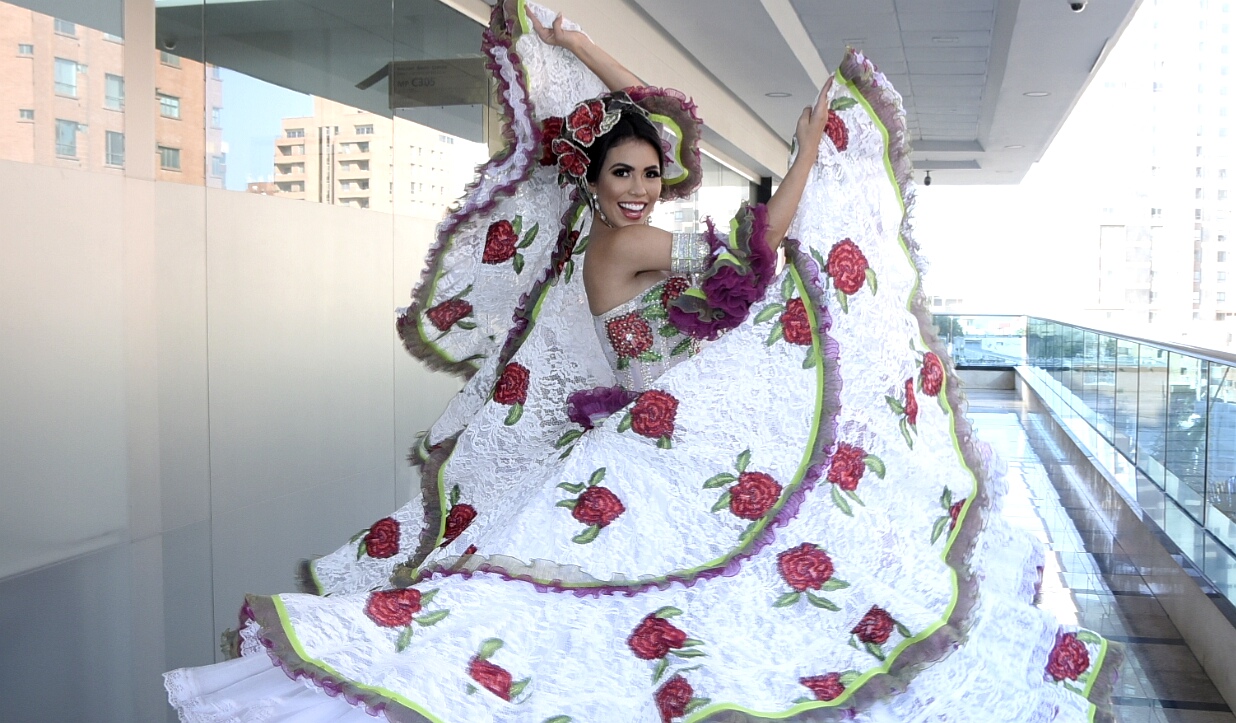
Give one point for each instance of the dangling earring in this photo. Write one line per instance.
(596, 209)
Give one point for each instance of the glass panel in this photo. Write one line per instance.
(1152, 413)
(1221, 455)
(1105, 388)
(1185, 437)
(1125, 425)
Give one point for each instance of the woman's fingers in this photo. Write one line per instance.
(821, 103)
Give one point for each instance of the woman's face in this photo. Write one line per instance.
(629, 183)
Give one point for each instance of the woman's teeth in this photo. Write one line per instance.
(632, 210)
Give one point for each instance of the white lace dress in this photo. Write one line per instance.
(793, 523)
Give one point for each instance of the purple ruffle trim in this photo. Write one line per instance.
(588, 407)
(730, 289)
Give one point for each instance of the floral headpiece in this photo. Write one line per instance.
(564, 139)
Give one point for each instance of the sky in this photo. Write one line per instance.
(252, 110)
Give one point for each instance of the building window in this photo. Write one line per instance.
(115, 148)
(168, 59)
(216, 117)
(1222, 256)
(169, 106)
(296, 133)
(115, 92)
(26, 114)
(1222, 173)
(64, 27)
(1222, 194)
(215, 72)
(1199, 172)
(218, 165)
(1197, 193)
(1222, 238)
(1220, 296)
(113, 38)
(66, 77)
(1197, 214)
(169, 158)
(25, 49)
(1222, 276)
(365, 130)
(66, 138)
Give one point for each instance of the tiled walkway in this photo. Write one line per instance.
(1090, 581)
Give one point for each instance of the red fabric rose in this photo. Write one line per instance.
(382, 540)
(824, 687)
(673, 697)
(571, 160)
(932, 374)
(551, 128)
(847, 266)
(653, 414)
(911, 403)
(674, 286)
(393, 608)
(584, 122)
(512, 387)
(491, 677)
(754, 495)
(795, 323)
(1069, 659)
(500, 242)
(805, 567)
(444, 315)
(629, 334)
(597, 506)
(568, 248)
(847, 467)
(953, 511)
(654, 637)
(457, 521)
(875, 627)
(835, 128)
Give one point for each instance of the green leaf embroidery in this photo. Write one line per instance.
(517, 411)
(572, 487)
(467, 290)
(719, 480)
(518, 263)
(905, 632)
(567, 438)
(558, 719)
(517, 225)
(688, 653)
(597, 475)
(567, 453)
(821, 602)
(894, 405)
(530, 236)
(848, 677)
(569, 504)
(465, 325)
(587, 535)
(722, 503)
(432, 618)
(682, 347)
(471, 689)
(905, 432)
(665, 443)
(875, 464)
(874, 650)
(769, 312)
(1089, 638)
(777, 334)
(650, 356)
(488, 648)
(667, 331)
(853, 494)
(358, 535)
(569, 270)
(744, 459)
(361, 550)
(819, 259)
(834, 584)
(840, 502)
(842, 103)
(787, 599)
(624, 362)
(946, 498)
(454, 495)
(787, 288)
(691, 642)
(625, 424)
(654, 313)
(810, 361)
(843, 300)
(652, 294)
(657, 672)
(404, 638)
(939, 528)
(871, 281)
(519, 686)
(427, 596)
(695, 704)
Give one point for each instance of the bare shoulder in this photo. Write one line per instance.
(632, 241)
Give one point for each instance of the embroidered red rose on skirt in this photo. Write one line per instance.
(653, 414)
(584, 123)
(931, 377)
(457, 521)
(795, 323)
(847, 466)
(754, 495)
(805, 567)
(654, 637)
(512, 387)
(597, 506)
(567, 249)
(911, 403)
(1069, 659)
(444, 315)
(491, 677)
(836, 131)
(673, 288)
(847, 266)
(393, 608)
(551, 128)
(629, 334)
(875, 627)
(500, 241)
(673, 697)
(571, 160)
(824, 687)
(382, 540)
(953, 511)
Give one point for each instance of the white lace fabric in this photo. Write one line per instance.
(751, 403)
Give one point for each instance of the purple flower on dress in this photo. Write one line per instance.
(589, 406)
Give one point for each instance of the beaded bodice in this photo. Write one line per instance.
(638, 338)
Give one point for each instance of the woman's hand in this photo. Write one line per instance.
(810, 130)
(557, 35)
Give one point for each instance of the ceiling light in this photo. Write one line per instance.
(1014, 147)
(778, 94)
(853, 42)
(945, 39)
(1037, 94)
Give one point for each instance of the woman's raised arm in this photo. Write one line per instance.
(610, 71)
(784, 203)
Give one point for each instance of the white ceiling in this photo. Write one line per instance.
(962, 66)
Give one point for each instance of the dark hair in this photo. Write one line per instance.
(630, 125)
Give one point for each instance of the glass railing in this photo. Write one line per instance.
(1161, 416)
